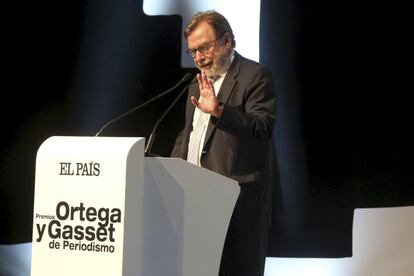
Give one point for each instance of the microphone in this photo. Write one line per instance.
(152, 135)
(187, 77)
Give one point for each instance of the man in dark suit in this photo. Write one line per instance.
(230, 115)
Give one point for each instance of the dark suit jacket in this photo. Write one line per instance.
(239, 144)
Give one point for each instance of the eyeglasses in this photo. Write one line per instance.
(203, 49)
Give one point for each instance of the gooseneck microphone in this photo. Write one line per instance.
(187, 77)
(152, 135)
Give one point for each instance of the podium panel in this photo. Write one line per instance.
(101, 208)
(84, 219)
(187, 210)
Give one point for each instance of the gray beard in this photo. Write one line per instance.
(221, 67)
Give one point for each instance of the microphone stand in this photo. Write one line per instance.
(152, 135)
(186, 77)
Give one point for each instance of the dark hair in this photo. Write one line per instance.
(216, 20)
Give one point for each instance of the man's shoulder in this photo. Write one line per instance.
(249, 66)
(247, 61)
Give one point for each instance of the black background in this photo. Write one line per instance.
(342, 73)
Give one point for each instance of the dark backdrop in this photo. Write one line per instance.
(343, 131)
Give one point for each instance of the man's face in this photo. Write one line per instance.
(211, 54)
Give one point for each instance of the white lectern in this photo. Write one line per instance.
(102, 208)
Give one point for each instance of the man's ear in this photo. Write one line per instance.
(227, 40)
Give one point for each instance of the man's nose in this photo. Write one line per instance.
(198, 57)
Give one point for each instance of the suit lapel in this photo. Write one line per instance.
(226, 90)
(193, 91)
